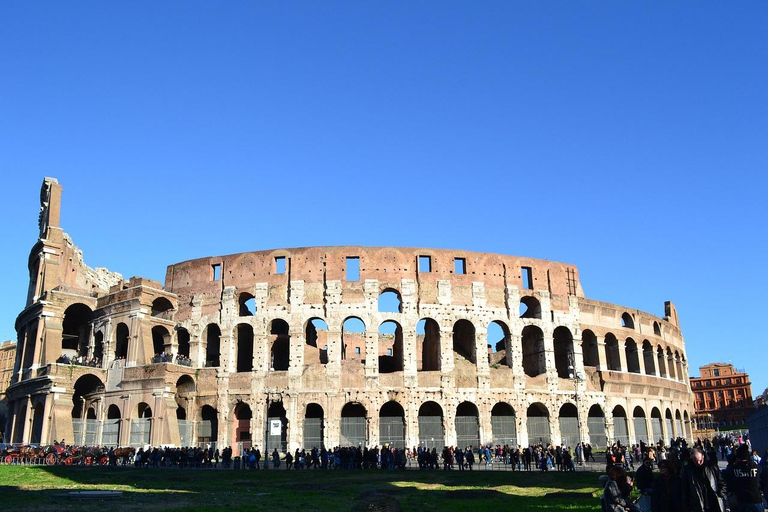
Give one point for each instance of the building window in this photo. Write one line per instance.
(216, 271)
(389, 351)
(460, 265)
(717, 372)
(425, 264)
(280, 265)
(357, 350)
(527, 276)
(353, 268)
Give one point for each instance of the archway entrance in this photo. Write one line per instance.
(392, 425)
(353, 425)
(431, 433)
(314, 427)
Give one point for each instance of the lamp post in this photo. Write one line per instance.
(576, 378)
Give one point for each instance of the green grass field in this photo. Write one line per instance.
(35, 488)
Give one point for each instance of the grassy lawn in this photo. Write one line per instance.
(27, 488)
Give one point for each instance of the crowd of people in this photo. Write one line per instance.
(689, 478)
(93, 362)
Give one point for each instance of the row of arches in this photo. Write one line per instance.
(654, 360)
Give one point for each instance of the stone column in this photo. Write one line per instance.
(601, 354)
(623, 355)
(296, 362)
(446, 351)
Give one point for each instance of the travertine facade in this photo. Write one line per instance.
(338, 345)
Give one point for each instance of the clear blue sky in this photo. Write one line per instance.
(628, 138)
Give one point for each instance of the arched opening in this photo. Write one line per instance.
(162, 307)
(612, 352)
(660, 360)
(467, 425)
(353, 425)
(534, 359)
(121, 341)
(98, 346)
(620, 426)
(392, 425)
(569, 425)
(244, 335)
(208, 429)
(76, 330)
(428, 337)
(671, 365)
(497, 341)
(181, 415)
(504, 425)
(464, 341)
(596, 427)
(431, 434)
(530, 307)
(185, 387)
(538, 424)
(37, 424)
(627, 321)
(641, 425)
(185, 396)
(679, 367)
(278, 422)
(589, 349)
(687, 422)
(161, 341)
(316, 336)
(88, 389)
(668, 424)
(242, 423)
(648, 359)
(314, 426)
(390, 347)
(212, 345)
(563, 343)
(390, 302)
(656, 432)
(656, 329)
(141, 425)
(353, 339)
(246, 304)
(144, 410)
(280, 354)
(633, 358)
(182, 335)
(110, 431)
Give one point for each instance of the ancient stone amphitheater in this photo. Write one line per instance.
(337, 346)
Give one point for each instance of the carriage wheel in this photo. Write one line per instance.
(68, 461)
(50, 459)
(8, 459)
(104, 460)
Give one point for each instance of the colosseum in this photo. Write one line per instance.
(334, 346)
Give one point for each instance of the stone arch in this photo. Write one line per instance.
(390, 301)
(678, 424)
(431, 429)
(631, 353)
(392, 425)
(563, 343)
(538, 424)
(428, 336)
(669, 423)
(497, 336)
(182, 337)
(244, 348)
(504, 424)
(467, 425)
(530, 307)
(534, 357)
(354, 425)
(161, 340)
(589, 348)
(75, 330)
(390, 347)
(353, 335)
(280, 346)
(596, 426)
(612, 352)
(276, 415)
(620, 425)
(38, 415)
(212, 335)
(208, 428)
(87, 389)
(662, 367)
(121, 341)
(143, 410)
(656, 432)
(246, 304)
(687, 421)
(464, 340)
(656, 329)
(98, 345)
(678, 367)
(569, 425)
(640, 424)
(314, 426)
(627, 321)
(316, 341)
(161, 307)
(242, 416)
(648, 358)
(671, 364)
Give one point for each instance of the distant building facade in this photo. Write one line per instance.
(723, 394)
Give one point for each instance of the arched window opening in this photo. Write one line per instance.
(504, 425)
(182, 335)
(497, 341)
(660, 360)
(242, 423)
(678, 367)
(246, 304)
(671, 365)
(316, 337)
(392, 425)
(162, 308)
(620, 426)
(563, 342)
(656, 431)
(144, 410)
(181, 414)
(353, 425)
(530, 307)
(277, 421)
(76, 330)
(390, 302)
(538, 424)
(589, 350)
(98, 346)
(612, 352)
(37, 423)
(390, 347)
(87, 390)
(467, 425)
(121, 341)
(596, 427)
(428, 338)
(212, 345)
(534, 358)
(244, 334)
(110, 431)
(631, 353)
(314, 427)
(627, 321)
(569, 425)
(668, 424)
(648, 358)
(281, 345)
(641, 426)
(353, 338)
(464, 341)
(208, 429)
(656, 329)
(431, 432)
(161, 343)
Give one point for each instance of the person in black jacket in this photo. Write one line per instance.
(644, 477)
(667, 495)
(703, 486)
(744, 480)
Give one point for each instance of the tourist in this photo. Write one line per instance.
(703, 486)
(667, 492)
(617, 491)
(744, 481)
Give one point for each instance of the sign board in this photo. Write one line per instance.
(275, 427)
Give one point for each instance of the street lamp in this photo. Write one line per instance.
(576, 378)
